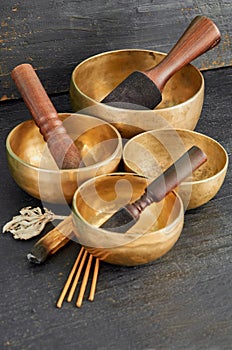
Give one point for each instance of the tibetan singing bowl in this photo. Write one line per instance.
(35, 171)
(152, 152)
(155, 233)
(95, 77)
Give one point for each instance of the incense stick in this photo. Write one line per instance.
(76, 271)
(74, 285)
(84, 282)
(94, 281)
(69, 280)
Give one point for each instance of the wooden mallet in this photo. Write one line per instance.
(127, 216)
(46, 117)
(145, 88)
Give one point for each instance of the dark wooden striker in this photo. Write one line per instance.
(45, 116)
(127, 216)
(145, 88)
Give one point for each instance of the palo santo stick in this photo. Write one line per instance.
(94, 281)
(52, 241)
(69, 279)
(71, 293)
(84, 282)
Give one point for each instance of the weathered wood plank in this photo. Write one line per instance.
(57, 35)
(181, 301)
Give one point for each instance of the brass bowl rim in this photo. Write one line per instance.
(54, 171)
(190, 132)
(76, 212)
(122, 109)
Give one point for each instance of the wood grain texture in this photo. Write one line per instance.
(56, 35)
(181, 301)
(200, 36)
(60, 144)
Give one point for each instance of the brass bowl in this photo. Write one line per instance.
(157, 230)
(95, 77)
(34, 170)
(151, 152)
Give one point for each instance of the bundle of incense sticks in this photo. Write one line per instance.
(74, 276)
(50, 244)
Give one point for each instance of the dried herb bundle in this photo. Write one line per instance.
(30, 222)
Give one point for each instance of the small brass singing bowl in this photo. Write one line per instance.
(155, 233)
(152, 152)
(97, 76)
(35, 171)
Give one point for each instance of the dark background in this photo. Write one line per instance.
(55, 35)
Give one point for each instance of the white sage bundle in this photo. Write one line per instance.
(30, 222)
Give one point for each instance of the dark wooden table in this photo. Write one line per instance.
(181, 301)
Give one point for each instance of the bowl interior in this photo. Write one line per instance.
(97, 199)
(100, 74)
(153, 152)
(34, 170)
(96, 140)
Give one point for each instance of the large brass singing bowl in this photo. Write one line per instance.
(95, 77)
(157, 230)
(34, 170)
(152, 152)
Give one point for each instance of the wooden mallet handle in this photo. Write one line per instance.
(127, 216)
(201, 35)
(169, 180)
(45, 116)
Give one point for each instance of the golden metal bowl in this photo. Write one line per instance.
(151, 152)
(95, 77)
(34, 170)
(157, 230)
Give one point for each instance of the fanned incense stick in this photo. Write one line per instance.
(76, 271)
(76, 279)
(94, 281)
(84, 282)
(69, 279)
